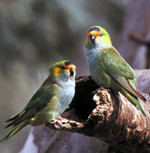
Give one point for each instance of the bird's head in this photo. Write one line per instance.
(63, 72)
(98, 38)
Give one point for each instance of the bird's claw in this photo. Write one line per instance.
(58, 124)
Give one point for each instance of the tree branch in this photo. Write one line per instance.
(106, 115)
(139, 38)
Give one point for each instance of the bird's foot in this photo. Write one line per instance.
(58, 124)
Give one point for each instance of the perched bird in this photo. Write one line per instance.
(108, 68)
(51, 100)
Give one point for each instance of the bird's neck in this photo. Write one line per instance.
(63, 81)
(102, 43)
(97, 48)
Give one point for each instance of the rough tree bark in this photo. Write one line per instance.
(106, 115)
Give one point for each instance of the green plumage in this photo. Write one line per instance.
(49, 101)
(109, 69)
(122, 77)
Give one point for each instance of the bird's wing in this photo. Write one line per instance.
(40, 100)
(120, 70)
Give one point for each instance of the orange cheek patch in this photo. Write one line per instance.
(96, 33)
(57, 71)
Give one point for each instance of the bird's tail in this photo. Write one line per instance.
(13, 131)
(134, 100)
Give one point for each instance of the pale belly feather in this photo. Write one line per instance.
(57, 105)
(97, 72)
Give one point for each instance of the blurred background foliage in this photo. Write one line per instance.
(34, 34)
(34, 31)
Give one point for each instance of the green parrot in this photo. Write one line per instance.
(108, 68)
(51, 100)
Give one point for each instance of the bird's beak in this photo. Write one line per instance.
(72, 69)
(92, 38)
(92, 35)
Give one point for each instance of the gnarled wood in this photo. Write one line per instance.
(108, 116)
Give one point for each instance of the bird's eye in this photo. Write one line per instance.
(71, 72)
(101, 34)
